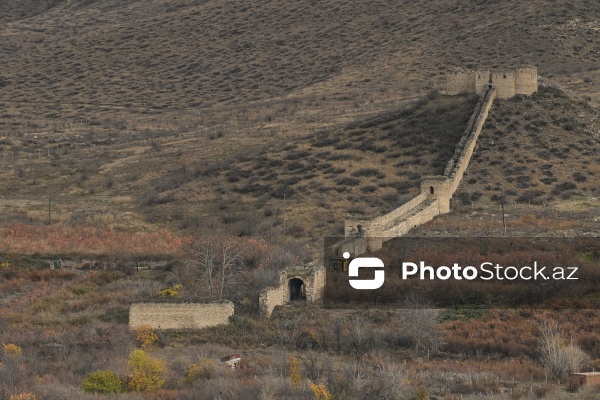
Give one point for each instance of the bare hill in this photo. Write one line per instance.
(64, 60)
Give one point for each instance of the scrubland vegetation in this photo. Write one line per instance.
(183, 150)
(65, 335)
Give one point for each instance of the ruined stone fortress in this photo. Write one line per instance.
(301, 283)
(305, 282)
(507, 83)
(437, 191)
(308, 282)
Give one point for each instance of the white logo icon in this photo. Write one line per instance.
(365, 262)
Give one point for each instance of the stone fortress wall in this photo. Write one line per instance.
(508, 83)
(437, 191)
(179, 315)
(459, 162)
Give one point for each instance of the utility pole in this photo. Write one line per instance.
(49, 207)
(284, 196)
(502, 207)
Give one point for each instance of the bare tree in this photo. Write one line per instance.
(420, 323)
(230, 264)
(212, 266)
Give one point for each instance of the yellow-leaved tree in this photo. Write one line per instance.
(294, 365)
(145, 372)
(145, 336)
(320, 391)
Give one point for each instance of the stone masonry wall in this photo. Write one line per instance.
(526, 80)
(179, 315)
(377, 224)
(504, 82)
(482, 81)
(436, 191)
(460, 81)
(428, 213)
(313, 278)
(315, 291)
(353, 245)
(458, 164)
(271, 297)
(523, 80)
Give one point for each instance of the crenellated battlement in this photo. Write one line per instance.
(508, 83)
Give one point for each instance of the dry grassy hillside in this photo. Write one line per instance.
(131, 113)
(364, 167)
(540, 157)
(111, 61)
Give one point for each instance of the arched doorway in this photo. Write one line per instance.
(431, 190)
(297, 289)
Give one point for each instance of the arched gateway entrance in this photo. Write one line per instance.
(297, 289)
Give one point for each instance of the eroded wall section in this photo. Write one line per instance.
(179, 315)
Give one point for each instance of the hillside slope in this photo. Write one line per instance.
(63, 60)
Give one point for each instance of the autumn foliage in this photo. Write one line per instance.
(27, 239)
(145, 372)
(145, 336)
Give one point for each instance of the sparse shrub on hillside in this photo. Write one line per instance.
(421, 324)
(296, 230)
(24, 396)
(421, 393)
(145, 372)
(531, 196)
(369, 172)
(320, 391)
(282, 190)
(173, 291)
(145, 336)
(347, 181)
(103, 381)
(579, 177)
(202, 370)
(562, 187)
(11, 349)
(559, 354)
(368, 189)
(294, 368)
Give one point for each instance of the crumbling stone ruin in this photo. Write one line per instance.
(179, 315)
(300, 283)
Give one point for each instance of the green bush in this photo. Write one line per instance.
(103, 381)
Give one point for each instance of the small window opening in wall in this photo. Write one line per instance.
(504, 76)
(297, 289)
(431, 190)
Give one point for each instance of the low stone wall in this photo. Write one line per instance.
(352, 245)
(315, 290)
(426, 214)
(377, 224)
(179, 315)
